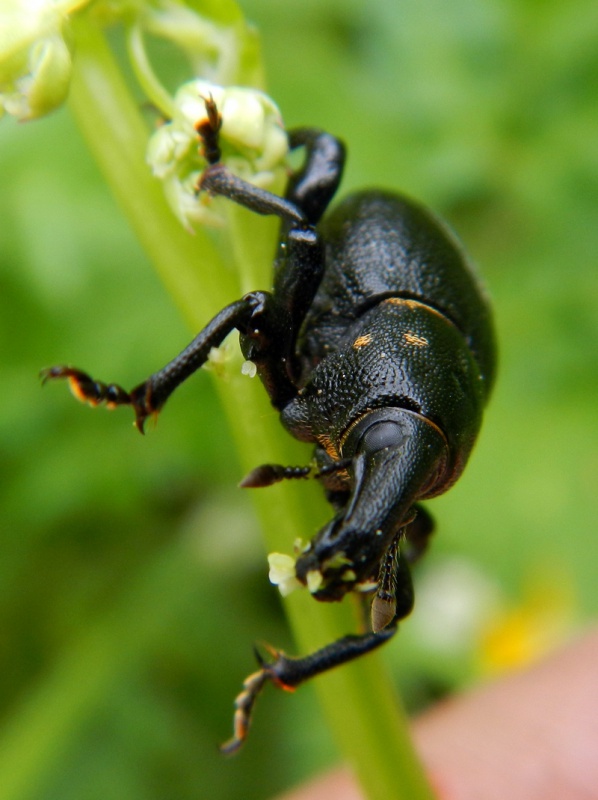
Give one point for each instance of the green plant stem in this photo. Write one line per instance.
(50, 718)
(145, 75)
(360, 704)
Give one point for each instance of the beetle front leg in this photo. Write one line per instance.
(288, 673)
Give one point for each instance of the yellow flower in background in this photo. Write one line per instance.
(464, 625)
(516, 636)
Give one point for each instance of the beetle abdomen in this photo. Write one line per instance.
(379, 245)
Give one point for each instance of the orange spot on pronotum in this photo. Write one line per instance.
(362, 341)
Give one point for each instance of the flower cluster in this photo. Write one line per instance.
(252, 140)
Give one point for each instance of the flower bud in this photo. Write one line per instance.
(252, 142)
(282, 573)
(35, 58)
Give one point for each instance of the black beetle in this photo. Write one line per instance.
(376, 344)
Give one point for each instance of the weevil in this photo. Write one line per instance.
(376, 345)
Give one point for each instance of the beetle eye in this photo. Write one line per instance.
(381, 435)
(377, 430)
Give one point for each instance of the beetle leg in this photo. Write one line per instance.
(300, 262)
(148, 397)
(296, 280)
(297, 276)
(208, 130)
(309, 191)
(312, 187)
(271, 335)
(219, 180)
(86, 389)
(89, 390)
(287, 673)
(268, 327)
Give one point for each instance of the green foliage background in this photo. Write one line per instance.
(132, 577)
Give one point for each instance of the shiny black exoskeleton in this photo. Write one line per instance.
(376, 344)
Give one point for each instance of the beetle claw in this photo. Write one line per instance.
(87, 390)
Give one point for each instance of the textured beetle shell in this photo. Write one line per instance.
(380, 244)
(405, 323)
(414, 358)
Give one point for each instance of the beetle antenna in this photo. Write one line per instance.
(268, 474)
(335, 466)
(384, 604)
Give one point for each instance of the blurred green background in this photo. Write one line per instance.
(132, 577)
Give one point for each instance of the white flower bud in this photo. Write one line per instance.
(252, 141)
(282, 573)
(35, 58)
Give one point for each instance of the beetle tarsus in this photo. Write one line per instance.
(88, 390)
(288, 673)
(244, 703)
(208, 130)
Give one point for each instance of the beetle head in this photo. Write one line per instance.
(396, 457)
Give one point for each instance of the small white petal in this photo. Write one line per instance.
(314, 580)
(282, 573)
(248, 368)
